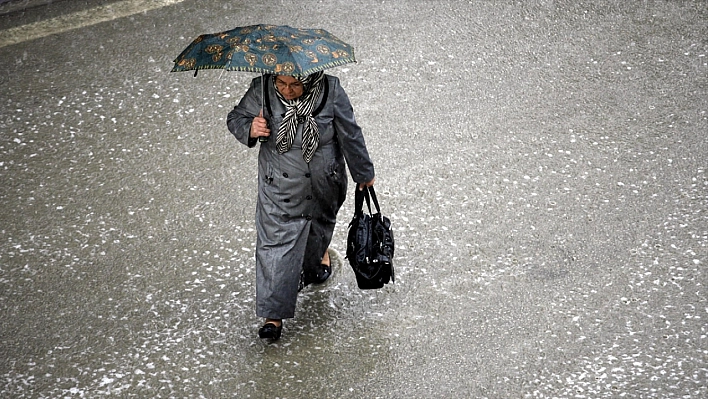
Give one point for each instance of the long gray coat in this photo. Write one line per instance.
(298, 202)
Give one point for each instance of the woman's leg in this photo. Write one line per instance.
(318, 241)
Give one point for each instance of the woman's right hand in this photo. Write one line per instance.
(259, 127)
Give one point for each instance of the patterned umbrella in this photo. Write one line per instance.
(272, 49)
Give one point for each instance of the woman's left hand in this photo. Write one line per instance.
(367, 184)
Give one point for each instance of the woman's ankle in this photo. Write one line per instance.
(275, 322)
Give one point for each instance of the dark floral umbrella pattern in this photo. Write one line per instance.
(268, 49)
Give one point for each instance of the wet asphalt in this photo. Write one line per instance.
(543, 164)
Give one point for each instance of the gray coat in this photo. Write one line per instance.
(298, 202)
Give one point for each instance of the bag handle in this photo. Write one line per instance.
(359, 196)
(373, 198)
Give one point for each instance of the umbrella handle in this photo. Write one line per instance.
(263, 139)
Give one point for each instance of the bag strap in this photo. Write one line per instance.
(325, 94)
(373, 198)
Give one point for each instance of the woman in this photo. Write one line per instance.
(302, 181)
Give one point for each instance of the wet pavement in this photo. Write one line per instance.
(543, 164)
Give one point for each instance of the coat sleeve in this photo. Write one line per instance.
(240, 118)
(350, 136)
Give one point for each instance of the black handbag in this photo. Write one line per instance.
(370, 243)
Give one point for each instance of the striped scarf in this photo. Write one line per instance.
(299, 111)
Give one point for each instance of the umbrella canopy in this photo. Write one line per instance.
(281, 50)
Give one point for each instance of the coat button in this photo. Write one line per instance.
(285, 175)
(307, 175)
(286, 200)
(309, 197)
(308, 217)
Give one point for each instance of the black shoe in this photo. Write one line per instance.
(323, 275)
(270, 331)
(308, 277)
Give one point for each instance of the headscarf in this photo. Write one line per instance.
(299, 111)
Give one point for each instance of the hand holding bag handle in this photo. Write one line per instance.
(369, 194)
(359, 201)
